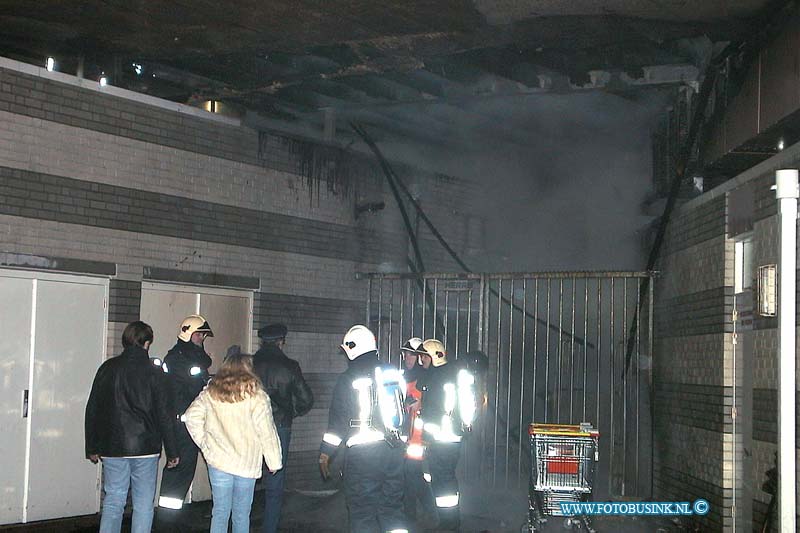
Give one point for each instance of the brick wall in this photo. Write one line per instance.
(698, 452)
(125, 299)
(138, 189)
(692, 378)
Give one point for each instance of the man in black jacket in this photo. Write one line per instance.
(127, 418)
(186, 366)
(290, 396)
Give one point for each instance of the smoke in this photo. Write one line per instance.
(564, 176)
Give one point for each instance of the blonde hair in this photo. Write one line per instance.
(235, 381)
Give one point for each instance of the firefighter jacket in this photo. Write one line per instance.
(448, 407)
(415, 449)
(367, 405)
(186, 365)
(283, 380)
(127, 413)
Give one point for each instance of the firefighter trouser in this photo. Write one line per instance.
(442, 463)
(175, 482)
(416, 489)
(373, 487)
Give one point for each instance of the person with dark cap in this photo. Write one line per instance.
(186, 366)
(290, 396)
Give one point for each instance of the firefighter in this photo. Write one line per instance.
(416, 488)
(186, 366)
(366, 417)
(447, 414)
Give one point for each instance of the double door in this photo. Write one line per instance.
(52, 339)
(229, 312)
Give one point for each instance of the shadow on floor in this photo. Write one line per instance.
(483, 511)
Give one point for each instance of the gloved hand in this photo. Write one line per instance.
(325, 466)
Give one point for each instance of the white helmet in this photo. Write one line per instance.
(413, 346)
(357, 341)
(435, 349)
(191, 324)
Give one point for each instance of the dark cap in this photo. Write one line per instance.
(273, 332)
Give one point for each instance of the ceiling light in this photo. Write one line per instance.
(781, 145)
(137, 68)
(50, 64)
(103, 80)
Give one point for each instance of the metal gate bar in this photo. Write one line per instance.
(556, 343)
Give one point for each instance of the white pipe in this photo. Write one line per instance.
(787, 193)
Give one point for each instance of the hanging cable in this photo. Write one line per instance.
(395, 182)
(419, 266)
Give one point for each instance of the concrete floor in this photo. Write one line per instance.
(324, 512)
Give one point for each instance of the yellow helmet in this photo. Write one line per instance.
(435, 349)
(191, 324)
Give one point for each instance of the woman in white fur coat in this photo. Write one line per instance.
(231, 422)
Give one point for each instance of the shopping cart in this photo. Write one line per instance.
(563, 459)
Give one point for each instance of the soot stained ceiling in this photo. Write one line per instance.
(286, 61)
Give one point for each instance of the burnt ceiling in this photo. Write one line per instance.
(286, 61)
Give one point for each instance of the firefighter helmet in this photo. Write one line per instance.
(357, 341)
(477, 362)
(413, 346)
(435, 349)
(192, 324)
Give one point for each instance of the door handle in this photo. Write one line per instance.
(25, 403)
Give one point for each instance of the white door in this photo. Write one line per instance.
(164, 310)
(69, 344)
(53, 339)
(228, 312)
(16, 303)
(229, 316)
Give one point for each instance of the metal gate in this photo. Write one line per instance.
(563, 347)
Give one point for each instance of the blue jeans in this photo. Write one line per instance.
(140, 475)
(273, 484)
(233, 498)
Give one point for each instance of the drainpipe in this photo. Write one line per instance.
(787, 194)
